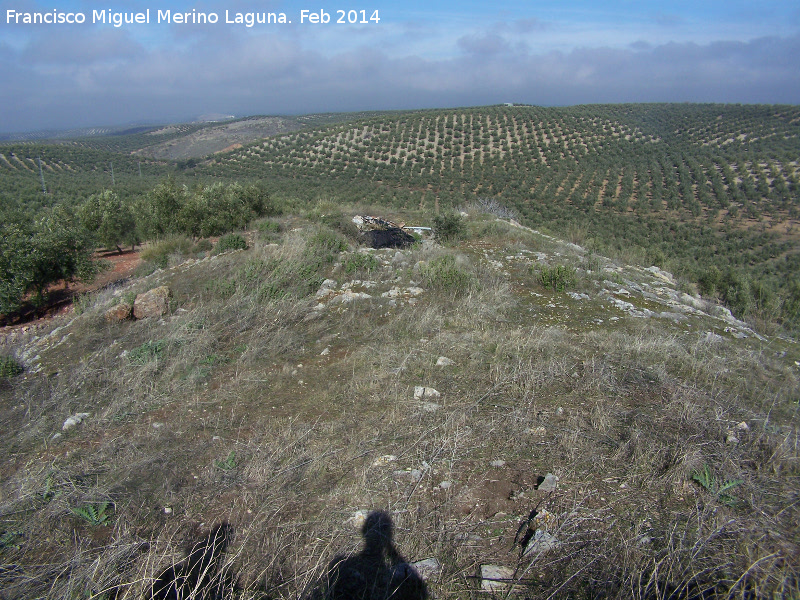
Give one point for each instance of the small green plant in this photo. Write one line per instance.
(709, 482)
(147, 352)
(268, 226)
(229, 463)
(360, 261)
(558, 278)
(230, 241)
(48, 493)
(11, 539)
(94, 514)
(9, 367)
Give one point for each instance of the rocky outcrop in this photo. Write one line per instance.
(119, 312)
(154, 303)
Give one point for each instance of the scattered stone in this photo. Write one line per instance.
(578, 296)
(120, 312)
(743, 426)
(428, 569)
(495, 578)
(154, 303)
(416, 475)
(167, 510)
(497, 464)
(446, 485)
(443, 361)
(358, 518)
(74, 420)
(549, 484)
(560, 411)
(542, 542)
(325, 352)
(430, 407)
(157, 425)
(384, 460)
(425, 392)
(731, 438)
(538, 431)
(349, 296)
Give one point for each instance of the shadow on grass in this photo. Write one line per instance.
(378, 572)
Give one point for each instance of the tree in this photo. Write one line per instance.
(109, 220)
(33, 257)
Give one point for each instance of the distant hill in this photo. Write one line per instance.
(700, 186)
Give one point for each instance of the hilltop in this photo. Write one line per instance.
(458, 385)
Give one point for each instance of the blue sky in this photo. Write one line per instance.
(420, 55)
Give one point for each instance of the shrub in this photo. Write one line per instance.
(231, 241)
(9, 367)
(448, 227)
(558, 278)
(268, 226)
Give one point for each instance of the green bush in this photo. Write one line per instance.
(203, 245)
(558, 278)
(360, 261)
(448, 227)
(230, 241)
(268, 226)
(9, 367)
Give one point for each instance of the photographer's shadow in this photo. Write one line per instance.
(378, 572)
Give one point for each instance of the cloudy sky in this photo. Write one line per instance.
(419, 54)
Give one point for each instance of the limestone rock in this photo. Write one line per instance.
(494, 578)
(154, 303)
(120, 312)
(74, 420)
(425, 392)
(549, 484)
(541, 542)
(428, 569)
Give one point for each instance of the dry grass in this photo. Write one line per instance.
(228, 410)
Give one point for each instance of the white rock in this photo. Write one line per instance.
(743, 426)
(538, 431)
(446, 485)
(384, 460)
(358, 518)
(541, 542)
(74, 420)
(428, 569)
(549, 484)
(498, 463)
(325, 352)
(425, 392)
(492, 577)
(443, 361)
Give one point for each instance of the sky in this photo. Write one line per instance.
(411, 54)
